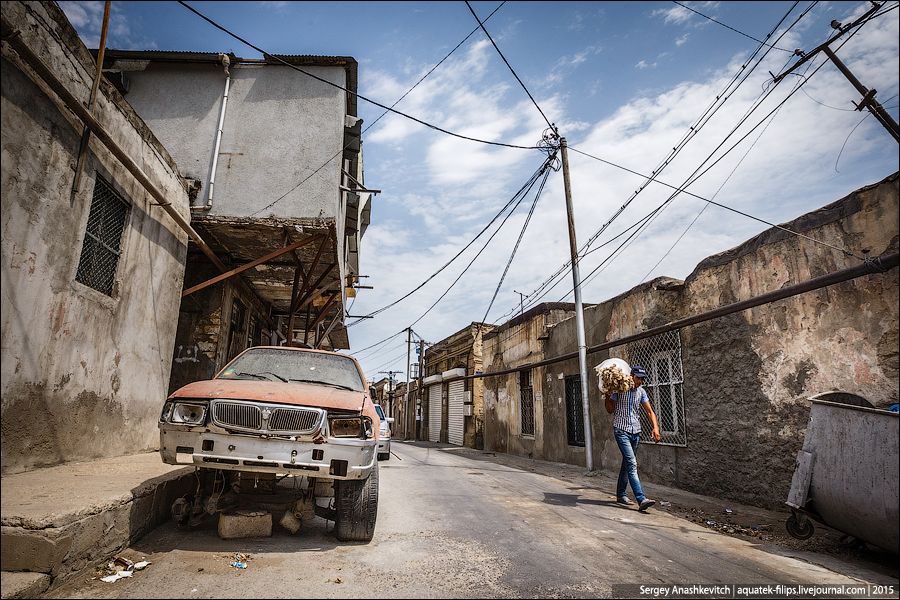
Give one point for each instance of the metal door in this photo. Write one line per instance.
(455, 417)
(434, 413)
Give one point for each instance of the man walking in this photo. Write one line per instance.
(627, 429)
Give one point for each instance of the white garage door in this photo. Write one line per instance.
(455, 417)
(434, 413)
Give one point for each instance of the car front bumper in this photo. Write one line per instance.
(334, 458)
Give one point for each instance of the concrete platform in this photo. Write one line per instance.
(58, 521)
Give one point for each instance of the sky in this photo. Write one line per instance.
(683, 90)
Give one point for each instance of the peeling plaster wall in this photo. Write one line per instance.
(514, 344)
(83, 374)
(748, 376)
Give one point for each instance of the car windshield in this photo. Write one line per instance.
(380, 412)
(281, 364)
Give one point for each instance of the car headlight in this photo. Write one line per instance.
(166, 411)
(188, 414)
(348, 427)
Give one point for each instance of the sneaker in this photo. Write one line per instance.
(646, 503)
(623, 500)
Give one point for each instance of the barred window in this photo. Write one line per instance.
(574, 411)
(526, 403)
(100, 251)
(661, 357)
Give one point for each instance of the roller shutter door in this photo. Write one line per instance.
(455, 417)
(434, 413)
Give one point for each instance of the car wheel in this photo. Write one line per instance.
(384, 456)
(356, 504)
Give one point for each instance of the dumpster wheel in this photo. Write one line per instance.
(800, 528)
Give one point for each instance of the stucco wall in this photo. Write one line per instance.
(748, 376)
(83, 374)
(280, 126)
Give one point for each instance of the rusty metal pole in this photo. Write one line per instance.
(868, 100)
(579, 312)
(86, 134)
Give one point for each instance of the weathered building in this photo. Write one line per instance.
(732, 393)
(450, 405)
(272, 149)
(513, 420)
(91, 272)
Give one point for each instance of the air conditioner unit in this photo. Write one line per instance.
(468, 410)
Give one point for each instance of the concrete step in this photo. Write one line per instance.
(59, 521)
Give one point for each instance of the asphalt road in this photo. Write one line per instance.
(456, 523)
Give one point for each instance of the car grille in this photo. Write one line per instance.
(267, 419)
(246, 416)
(293, 419)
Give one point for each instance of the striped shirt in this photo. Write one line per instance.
(626, 416)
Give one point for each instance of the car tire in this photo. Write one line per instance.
(384, 456)
(356, 503)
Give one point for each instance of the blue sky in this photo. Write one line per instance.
(623, 82)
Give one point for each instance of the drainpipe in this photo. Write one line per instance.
(226, 62)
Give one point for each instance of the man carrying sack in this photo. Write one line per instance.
(627, 427)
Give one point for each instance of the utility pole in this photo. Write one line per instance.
(868, 101)
(579, 311)
(406, 414)
(419, 390)
(521, 302)
(390, 375)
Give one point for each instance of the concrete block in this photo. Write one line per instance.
(38, 551)
(245, 524)
(23, 585)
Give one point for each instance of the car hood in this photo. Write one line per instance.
(301, 394)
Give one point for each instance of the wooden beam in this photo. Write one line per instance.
(259, 261)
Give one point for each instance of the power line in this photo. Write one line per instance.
(533, 101)
(732, 28)
(523, 190)
(692, 131)
(356, 94)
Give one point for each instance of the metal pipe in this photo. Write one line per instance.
(579, 311)
(215, 161)
(86, 135)
(880, 264)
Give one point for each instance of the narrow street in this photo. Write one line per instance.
(458, 523)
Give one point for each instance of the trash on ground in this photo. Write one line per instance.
(239, 565)
(140, 566)
(116, 577)
(124, 563)
(728, 511)
(664, 503)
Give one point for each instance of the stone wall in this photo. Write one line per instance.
(84, 374)
(748, 376)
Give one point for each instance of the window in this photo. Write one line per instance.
(526, 403)
(574, 411)
(661, 357)
(100, 251)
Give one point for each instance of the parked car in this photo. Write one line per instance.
(280, 411)
(384, 434)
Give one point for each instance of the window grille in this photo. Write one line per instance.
(526, 403)
(574, 411)
(100, 251)
(660, 355)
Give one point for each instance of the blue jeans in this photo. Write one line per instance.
(628, 443)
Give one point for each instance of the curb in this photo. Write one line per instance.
(42, 552)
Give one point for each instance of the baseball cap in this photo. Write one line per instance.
(639, 371)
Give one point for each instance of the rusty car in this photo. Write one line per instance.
(279, 426)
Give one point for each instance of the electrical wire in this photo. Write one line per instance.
(372, 124)
(533, 101)
(531, 183)
(351, 92)
(737, 80)
(731, 28)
